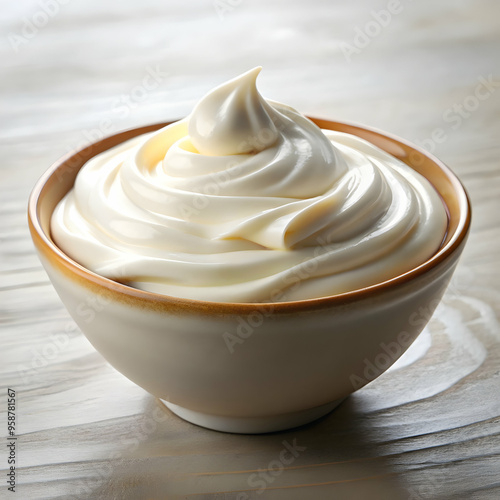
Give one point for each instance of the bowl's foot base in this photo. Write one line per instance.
(252, 425)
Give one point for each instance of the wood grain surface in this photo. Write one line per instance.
(73, 71)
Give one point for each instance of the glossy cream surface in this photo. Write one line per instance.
(246, 200)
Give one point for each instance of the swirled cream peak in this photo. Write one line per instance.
(233, 119)
(246, 200)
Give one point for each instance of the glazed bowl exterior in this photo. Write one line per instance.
(251, 367)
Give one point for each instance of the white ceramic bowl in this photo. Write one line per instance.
(251, 367)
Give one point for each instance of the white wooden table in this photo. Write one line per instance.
(73, 71)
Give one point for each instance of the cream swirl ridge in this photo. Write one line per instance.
(246, 200)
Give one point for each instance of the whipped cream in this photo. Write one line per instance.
(246, 200)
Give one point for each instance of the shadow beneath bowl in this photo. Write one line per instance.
(338, 456)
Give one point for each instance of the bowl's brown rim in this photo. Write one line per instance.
(158, 301)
